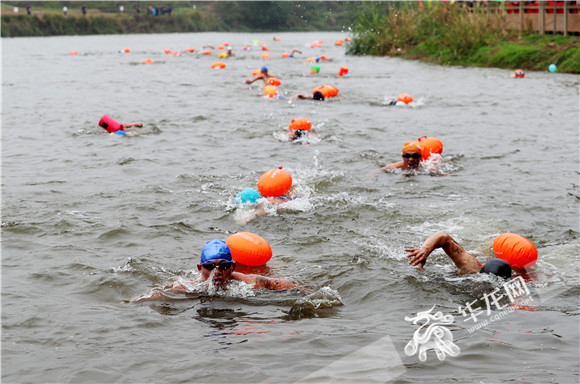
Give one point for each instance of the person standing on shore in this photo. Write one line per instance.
(84, 9)
(65, 10)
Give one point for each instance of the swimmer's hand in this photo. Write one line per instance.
(418, 256)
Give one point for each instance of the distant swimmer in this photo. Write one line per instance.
(315, 96)
(465, 263)
(217, 265)
(411, 158)
(113, 126)
(294, 51)
(263, 75)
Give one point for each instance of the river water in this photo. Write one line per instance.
(90, 219)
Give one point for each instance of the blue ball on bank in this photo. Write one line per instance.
(552, 68)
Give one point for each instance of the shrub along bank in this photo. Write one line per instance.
(453, 36)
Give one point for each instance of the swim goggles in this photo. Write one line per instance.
(414, 155)
(223, 265)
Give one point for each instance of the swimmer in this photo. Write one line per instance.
(411, 158)
(294, 51)
(465, 263)
(304, 96)
(264, 75)
(216, 257)
(229, 52)
(298, 134)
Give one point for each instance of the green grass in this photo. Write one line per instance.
(452, 36)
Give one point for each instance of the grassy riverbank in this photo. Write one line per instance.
(452, 36)
(106, 17)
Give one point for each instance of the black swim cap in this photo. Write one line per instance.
(497, 267)
(300, 133)
(318, 96)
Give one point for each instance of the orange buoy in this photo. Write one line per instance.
(126, 50)
(327, 90)
(249, 249)
(323, 57)
(265, 48)
(275, 182)
(270, 91)
(274, 81)
(519, 74)
(221, 47)
(343, 71)
(405, 98)
(147, 61)
(315, 45)
(167, 51)
(311, 59)
(518, 251)
(189, 49)
(429, 146)
(73, 53)
(265, 56)
(256, 72)
(226, 44)
(218, 65)
(339, 42)
(206, 52)
(176, 53)
(285, 55)
(300, 123)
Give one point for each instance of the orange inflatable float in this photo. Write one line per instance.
(275, 182)
(274, 81)
(405, 98)
(265, 56)
(218, 65)
(285, 55)
(206, 52)
(327, 90)
(73, 53)
(189, 49)
(167, 50)
(249, 249)
(343, 71)
(519, 74)
(256, 72)
(429, 146)
(339, 42)
(516, 250)
(147, 61)
(126, 50)
(300, 123)
(270, 91)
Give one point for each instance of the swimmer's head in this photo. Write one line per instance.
(215, 250)
(264, 69)
(318, 96)
(497, 267)
(300, 133)
(411, 154)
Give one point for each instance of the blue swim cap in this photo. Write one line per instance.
(264, 68)
(121, 132)
(497, 267)
(215, 250)
(290, 55)
(248, 195)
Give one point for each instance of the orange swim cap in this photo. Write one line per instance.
(412, 146)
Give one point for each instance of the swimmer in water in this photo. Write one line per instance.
(216, 257)
(465, 263)
(411, 158)
(294, 51)
(264, 75)
(304, 96)
(298, 134)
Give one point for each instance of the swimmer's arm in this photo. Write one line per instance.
(263, 282)
(160, 293)
(273, 284)
(390, 167)
(464, 262)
